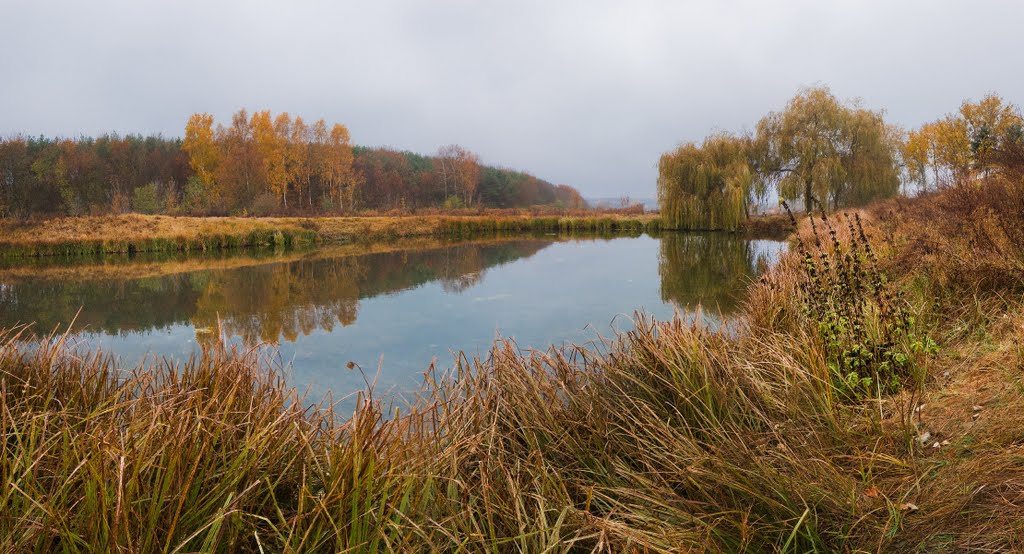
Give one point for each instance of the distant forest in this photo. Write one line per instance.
(257, 165)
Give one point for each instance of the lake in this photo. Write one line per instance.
(392, 307)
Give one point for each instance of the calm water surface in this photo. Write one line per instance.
(398, 310)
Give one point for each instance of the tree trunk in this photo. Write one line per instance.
(808, 203)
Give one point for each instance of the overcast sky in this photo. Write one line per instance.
(585, 92)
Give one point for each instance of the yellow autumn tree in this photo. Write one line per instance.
(299, 158)
(340, 173)
(990, 123)
(239, 174)
(319, 157)
(271, 150)
(199, 144)
(939, 153)
(467, 175)
(953, 148)
(460, 172)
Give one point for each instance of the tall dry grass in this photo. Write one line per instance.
(215, 454)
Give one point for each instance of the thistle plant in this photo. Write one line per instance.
(868, 333)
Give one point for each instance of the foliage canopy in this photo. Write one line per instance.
(706, 186)
(817, 149)
(954, 147)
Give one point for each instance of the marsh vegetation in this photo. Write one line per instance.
(677, 437)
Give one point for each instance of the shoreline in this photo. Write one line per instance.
(134, 233)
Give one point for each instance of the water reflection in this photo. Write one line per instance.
(262, 298)
(410, 304)
(259, 302)
(286, 300)
(711, 269)
(109, 306)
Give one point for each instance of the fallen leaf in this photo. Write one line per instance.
(872, 492)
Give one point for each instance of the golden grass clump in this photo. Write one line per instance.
(215, 454)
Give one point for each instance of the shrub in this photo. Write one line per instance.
(196, 199)
(327, 204)
(171, 203)
(453, 202)
(265, 204)
(970, 238)
(146, 199)
(120, 203)
(865, 325)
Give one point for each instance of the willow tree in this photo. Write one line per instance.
(706, 186)
(818, 149)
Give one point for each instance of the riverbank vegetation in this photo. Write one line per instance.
(259, 164)
(134, 233)
(828, 155)
(868, 398)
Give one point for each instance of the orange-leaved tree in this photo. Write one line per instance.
(199, 144)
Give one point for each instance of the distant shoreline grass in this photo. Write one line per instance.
(141, 233)
(161, 264)
(869, 399)
(134, 233)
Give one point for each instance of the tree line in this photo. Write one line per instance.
(260, 164)
(825, 154)
(963, 144)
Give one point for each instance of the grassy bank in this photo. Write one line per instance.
(869, 399)
(80, 236)
(775, 226)
(139, 233)
(145, 266)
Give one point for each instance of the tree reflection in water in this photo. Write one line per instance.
(284, 301)
(268, 299)
(265, 302)
(710, 269)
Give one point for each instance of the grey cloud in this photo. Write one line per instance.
(581, 92)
